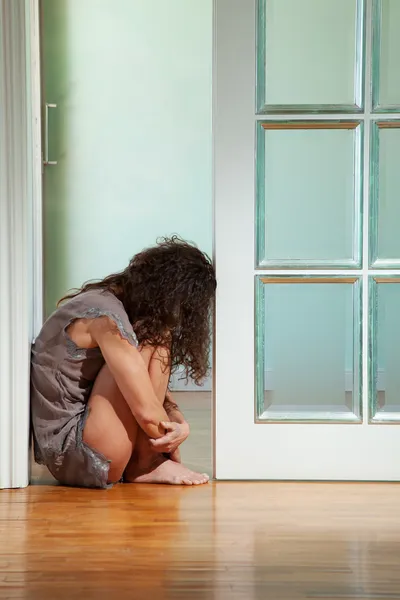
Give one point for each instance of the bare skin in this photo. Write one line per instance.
(133, 429)
(147, 465)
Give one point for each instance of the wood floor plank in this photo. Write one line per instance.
(225, 540)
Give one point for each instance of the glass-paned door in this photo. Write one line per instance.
(307, 207)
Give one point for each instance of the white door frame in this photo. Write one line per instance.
(35, 102)
(20, 228)
(233, 163)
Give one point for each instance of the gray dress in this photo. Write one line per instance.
(62, 377)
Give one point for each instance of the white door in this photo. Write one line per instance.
(307, 244)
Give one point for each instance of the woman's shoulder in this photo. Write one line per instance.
(87, 303)
(93, 300)
(98, 303)
(92, 304)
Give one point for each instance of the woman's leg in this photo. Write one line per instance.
(110, 427)
(157, 361)
(143, 456)
(146, 465)
(112, 430)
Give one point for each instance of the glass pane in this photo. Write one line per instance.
(300, 60)
(385, 213)
(386, 73)
(308, 349)
(308, 176)
(385, 351)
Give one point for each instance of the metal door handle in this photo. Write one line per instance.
(46, 135)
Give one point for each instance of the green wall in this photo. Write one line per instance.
(131, 132)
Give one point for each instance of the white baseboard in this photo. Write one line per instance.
(178, 383)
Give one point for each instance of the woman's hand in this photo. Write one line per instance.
(176, 434)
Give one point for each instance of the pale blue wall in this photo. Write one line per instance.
(131, 133)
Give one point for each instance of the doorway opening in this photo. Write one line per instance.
(127, 140)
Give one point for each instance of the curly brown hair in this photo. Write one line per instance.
(167, 292)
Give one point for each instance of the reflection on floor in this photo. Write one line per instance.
(222, 541)
(196, 451)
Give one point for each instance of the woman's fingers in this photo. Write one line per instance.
(163, 442)
(170, 440)
(168, 425)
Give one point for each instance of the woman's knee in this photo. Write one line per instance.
(117, 467)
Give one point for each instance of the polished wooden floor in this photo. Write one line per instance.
(225, 540)
(221, 541)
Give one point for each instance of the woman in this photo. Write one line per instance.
(101, 410)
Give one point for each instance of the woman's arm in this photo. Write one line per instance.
(177, 431)
(131, 375)
(172, 409)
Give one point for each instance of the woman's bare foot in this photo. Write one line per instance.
(166, 472)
